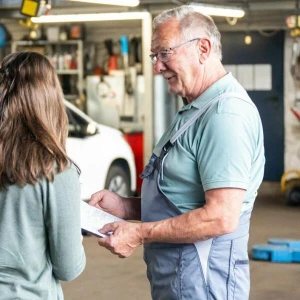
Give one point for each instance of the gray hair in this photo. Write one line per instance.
(190, 22)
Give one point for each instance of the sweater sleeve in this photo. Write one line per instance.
(62, 219)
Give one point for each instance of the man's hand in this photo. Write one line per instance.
(122, 207)
(109, 202)
(123, 240)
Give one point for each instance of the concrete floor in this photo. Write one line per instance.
(109, 277)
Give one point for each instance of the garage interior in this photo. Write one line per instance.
(109, 277)
(266, 38)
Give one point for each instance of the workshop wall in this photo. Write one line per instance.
(291, 123)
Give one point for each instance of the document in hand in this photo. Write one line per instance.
(93, 219)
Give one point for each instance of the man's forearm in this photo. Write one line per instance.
(220, 215)
(186, 228)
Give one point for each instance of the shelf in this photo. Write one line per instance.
(67, 72)
(44, 43)
(60, 54)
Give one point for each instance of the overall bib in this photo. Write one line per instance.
(217, 268)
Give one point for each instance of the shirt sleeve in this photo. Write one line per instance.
(62, 218)
(226, 153)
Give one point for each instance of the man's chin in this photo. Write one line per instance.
(174, 90)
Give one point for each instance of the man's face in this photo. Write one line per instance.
(182, 68)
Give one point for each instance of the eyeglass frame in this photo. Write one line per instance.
(155, 56)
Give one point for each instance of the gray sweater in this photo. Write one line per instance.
(40, 238)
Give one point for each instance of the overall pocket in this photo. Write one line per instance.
(239, 286)
(242, 280)
(174, 272)
(228, 269)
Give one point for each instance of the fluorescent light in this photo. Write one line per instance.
(112, 2)
(221, 11)
(91, 17)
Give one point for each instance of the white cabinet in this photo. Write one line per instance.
(67, 58)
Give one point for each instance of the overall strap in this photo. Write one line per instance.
(194, 117)
(199, 113)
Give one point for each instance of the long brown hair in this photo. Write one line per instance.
(33, 120)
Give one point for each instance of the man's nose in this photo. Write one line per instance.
(159, 66)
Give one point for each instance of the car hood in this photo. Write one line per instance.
(108, 130)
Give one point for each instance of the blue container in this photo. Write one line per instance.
(274, 253)
(278, 250)
(295, 244)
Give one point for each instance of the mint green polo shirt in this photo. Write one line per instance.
(224, 148)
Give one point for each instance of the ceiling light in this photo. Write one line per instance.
(248, 39)
(221, 11)
(91, 17)
(112, 2)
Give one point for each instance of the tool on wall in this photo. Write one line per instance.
(129, 106)
(125, 53)
(112, 63)
(136, 44)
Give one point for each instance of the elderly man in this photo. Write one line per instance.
(202, 179)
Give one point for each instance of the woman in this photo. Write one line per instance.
(40, 234)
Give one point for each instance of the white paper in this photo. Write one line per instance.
(93, 219)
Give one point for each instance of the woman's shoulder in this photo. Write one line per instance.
(70, 171)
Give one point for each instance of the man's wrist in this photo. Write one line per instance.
(146, 232)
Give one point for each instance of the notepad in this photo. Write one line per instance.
(93, 219)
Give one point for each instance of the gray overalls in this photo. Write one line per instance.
(217, 268)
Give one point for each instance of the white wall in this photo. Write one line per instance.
(291, 123)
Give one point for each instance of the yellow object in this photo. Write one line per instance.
(30, 8)
(248, 39)
(28, 23)
(289, 179)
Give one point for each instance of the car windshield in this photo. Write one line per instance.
(77, 125)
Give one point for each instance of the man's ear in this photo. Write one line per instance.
(204, 50)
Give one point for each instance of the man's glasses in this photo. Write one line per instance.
(165, 55)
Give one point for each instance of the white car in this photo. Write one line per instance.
(102, 154)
